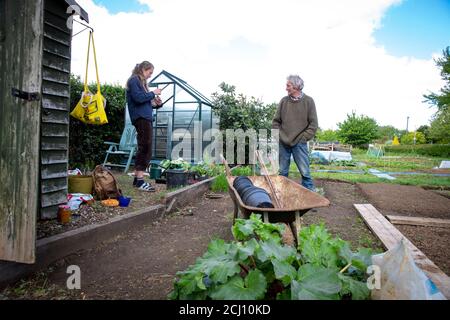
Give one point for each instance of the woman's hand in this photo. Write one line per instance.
(157, 91)
(157, 102)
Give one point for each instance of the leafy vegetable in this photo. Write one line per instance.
(258, 266)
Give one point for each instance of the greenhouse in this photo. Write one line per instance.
(184, 118)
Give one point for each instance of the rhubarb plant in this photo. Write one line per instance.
(257, 265)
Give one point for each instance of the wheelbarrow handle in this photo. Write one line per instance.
(227, 168)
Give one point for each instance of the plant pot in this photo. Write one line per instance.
(155, 173)
(176, 178)
(241, 184)
(80, 184)
(257, 197)
(124, 201)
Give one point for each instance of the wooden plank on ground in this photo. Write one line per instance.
(376, 226)
(419, 221)
(390, 236)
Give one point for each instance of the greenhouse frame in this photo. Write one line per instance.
(185, 117)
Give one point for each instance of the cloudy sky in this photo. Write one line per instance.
(371, 56)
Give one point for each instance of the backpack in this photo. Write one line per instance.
(105, 184)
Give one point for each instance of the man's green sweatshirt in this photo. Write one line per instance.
(296, 120)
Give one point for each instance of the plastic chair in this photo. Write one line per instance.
(126, 148)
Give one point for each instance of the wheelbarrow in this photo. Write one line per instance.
(291, 200)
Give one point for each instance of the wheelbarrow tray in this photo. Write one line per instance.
(295, 200)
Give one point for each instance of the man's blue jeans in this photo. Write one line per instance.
(301, 158)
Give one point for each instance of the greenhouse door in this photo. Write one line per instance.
(162, 132)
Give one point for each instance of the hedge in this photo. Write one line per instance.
(86, 142)
(433, 150)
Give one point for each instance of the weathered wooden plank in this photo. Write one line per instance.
(55, 17)
(53, 198)
(56, 62)
(54, 156)
(56, 35)
(55, 116)
(419, 221)
(52, 185)
(57, 9)
(54, 75)
(54, 130)
(56, 89)
(49, 212)
(20, 67)
(56, 48)
(53, 143)
(54, 102)
(377, 227)
(375, 219)
(51, 171)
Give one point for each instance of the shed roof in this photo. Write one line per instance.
(183, 84)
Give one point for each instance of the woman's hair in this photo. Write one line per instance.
(139, 71)
(296, 81)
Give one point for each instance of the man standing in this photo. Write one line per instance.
(296, 118)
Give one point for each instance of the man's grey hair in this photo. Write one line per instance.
(296, 81)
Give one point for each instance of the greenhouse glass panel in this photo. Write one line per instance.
(182, 95)
(167, 106)
(192, 106)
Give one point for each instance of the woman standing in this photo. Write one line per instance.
(140, 102)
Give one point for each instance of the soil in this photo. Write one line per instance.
(391, 199)
(95, 213)
(434, 242)
(341, 218)
(142, 264)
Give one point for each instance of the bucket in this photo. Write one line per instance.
(80, 184)
(124, 201)
(257, 197)
(176, 178)
(155, 173)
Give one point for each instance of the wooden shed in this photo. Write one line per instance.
(35, 47)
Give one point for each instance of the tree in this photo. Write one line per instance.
(236, 111)
(358, 130)
(426, 132)
(386, 133)
(409, 138)
(239, 112)
(440, 125)
(328, 135)
(442, 100)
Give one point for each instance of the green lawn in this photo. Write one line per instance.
(388, 163)
(415, 180)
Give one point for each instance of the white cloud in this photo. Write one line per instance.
(255, 44)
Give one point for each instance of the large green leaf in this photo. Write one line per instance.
(284, 271)
(247, 249)
(243, 229)
(251, 288)
(324, 284)
(357, 289)
(271, 249)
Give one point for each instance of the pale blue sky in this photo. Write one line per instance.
(116, 6)
(415, 28)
